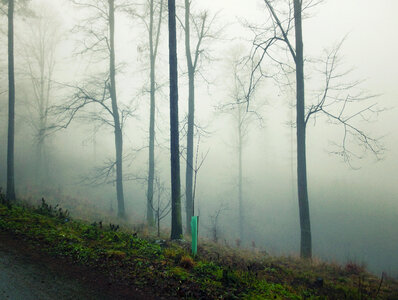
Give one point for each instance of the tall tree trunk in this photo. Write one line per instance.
(42, 174)
(153, 50)
(41, 170)
(240, 175)
(115, 112)
(10, 194)
(191, 121)
(176, 224)
(189, 167)
(151, 167)
(305, 225)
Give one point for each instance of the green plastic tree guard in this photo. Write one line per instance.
(194, 233)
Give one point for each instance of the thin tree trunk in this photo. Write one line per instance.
(41, 169)
(240, 176)
(176, 224)
(151, 167)
(158, 220)
(115, 112)
(153, 48)
(189, 166)
(191, 121)
(305, 226)
(10, 194)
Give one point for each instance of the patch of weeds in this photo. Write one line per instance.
(116, 254)
(270, 270)
(145, 248)
(173, 253)
(342, 279)
(208, 269)
(56, 211)
(187, 262)
(266, 290)
(113, 227)
(180, 273)
(91, 233)
(230, 277)
(354, 268)
(348, 292)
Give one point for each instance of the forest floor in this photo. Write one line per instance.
(45, 254)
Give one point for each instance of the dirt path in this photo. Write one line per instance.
(26, 274)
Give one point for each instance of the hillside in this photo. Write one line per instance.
(142, 265)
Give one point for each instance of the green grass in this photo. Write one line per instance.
(216, 273)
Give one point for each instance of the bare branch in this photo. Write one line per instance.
(336, 101)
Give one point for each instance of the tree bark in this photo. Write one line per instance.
(189, 167)
(191, 121)
(10, 194)
(153, 49)
(151, 164)
(305, 226)
(115, 112)
(176, 224)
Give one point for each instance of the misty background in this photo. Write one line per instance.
(354, 209)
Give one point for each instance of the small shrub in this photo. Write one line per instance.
(113, 227)
(174, 254)
(180, 273)
(187, 262)
(91, 233)
(48, 210)
(354, 268)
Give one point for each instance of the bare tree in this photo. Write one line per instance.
(305, 225)
(12, 6)
(100, 31)
(283, 22)
(152, 17)
(176, 222)
(215, 222)
(115, 112)
(202, 24)
(161, 208)
(196, 168)
(240, 68)
(10, 194)
(154, 34)
(39, 53)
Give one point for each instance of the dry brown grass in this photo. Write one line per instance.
(187, 262)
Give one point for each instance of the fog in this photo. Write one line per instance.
(353, 208)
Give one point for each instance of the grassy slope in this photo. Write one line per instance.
(169, 270)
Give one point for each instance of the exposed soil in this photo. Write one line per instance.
(27, 274)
